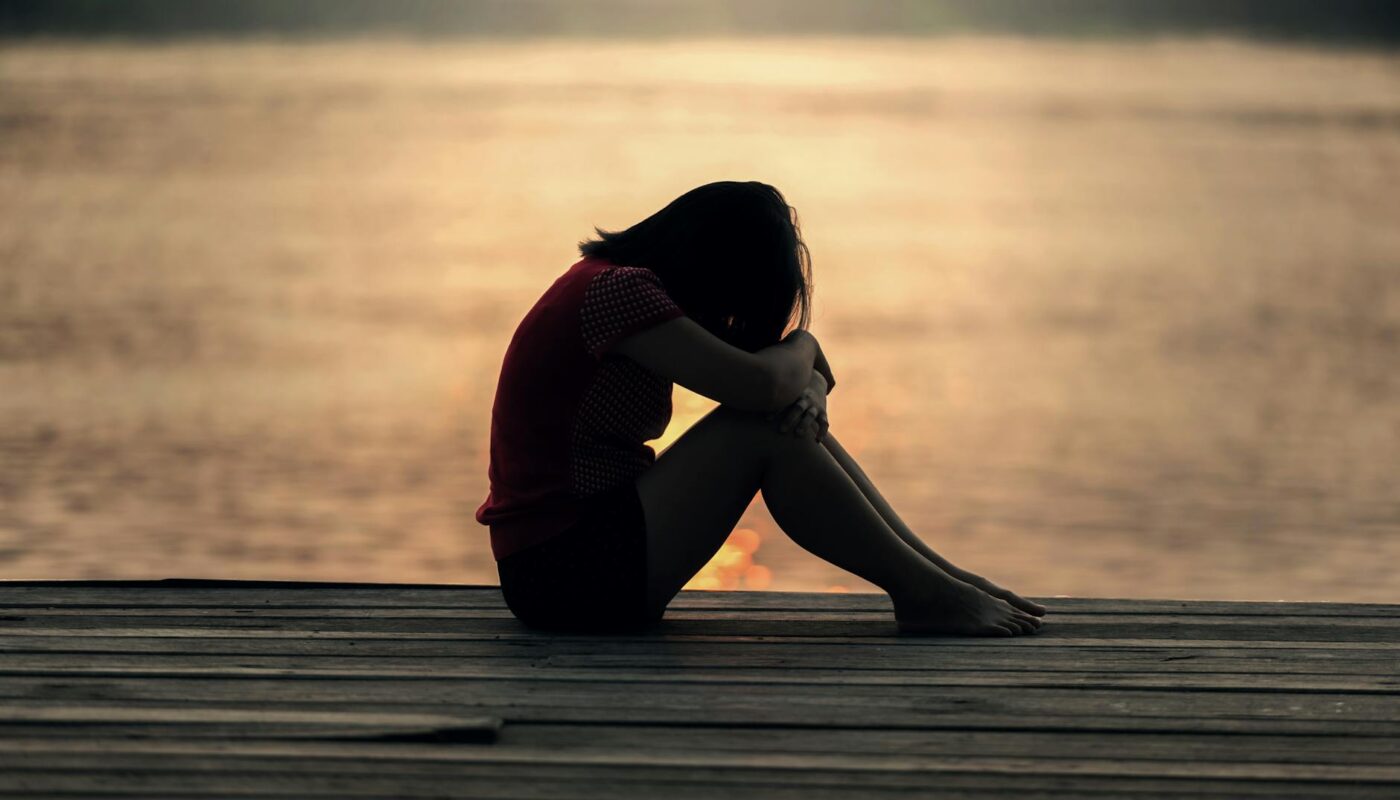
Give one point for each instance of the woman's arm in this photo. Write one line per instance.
(824, 369)
(682, 351)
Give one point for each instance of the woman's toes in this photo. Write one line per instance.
(1014, 599)
(1031, 624)
(1034, 609)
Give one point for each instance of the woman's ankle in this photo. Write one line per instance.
(934, 587)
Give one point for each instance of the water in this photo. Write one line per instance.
(1108, 319)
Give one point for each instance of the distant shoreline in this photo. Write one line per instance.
(1343, 22)
(399, 39)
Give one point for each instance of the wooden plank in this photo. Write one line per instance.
(685, 653)
(846, 622)
(1242, 748)
(185, 593)
(484, 782)
(1302, 665)
(125, 652)
(121, 723)
(814, 601)
(703, 766)
(152, 754)
(851, 624)
(938, 707)
(99, 722)
(873, 633)
(821, 604)
(1384, 684)
(912, 653)
(1179, 661)
(798, 647)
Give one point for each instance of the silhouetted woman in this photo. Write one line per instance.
(591, 530)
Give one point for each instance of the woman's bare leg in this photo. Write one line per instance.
(699, 487)
(887, 512)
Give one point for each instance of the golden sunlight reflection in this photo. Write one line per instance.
(686, 409)
(733, 567)
(1108, 318)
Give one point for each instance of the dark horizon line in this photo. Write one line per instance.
(1338, 21)
(1387, 45)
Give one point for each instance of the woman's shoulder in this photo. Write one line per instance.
(574, 281)
(600, 290)
(621, 300)
(602, 274)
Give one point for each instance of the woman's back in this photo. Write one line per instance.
(569, 419)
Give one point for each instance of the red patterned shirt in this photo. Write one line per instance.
(571, 419)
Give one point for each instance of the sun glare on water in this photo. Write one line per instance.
(1108, 318)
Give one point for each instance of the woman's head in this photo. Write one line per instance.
(730, 254)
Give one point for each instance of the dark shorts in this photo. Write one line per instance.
(590, 578)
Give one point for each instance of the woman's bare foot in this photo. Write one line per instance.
(992, 589)
(960, 609)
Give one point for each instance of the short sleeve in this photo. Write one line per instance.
(622, 301)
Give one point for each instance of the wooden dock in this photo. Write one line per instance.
(259, 690)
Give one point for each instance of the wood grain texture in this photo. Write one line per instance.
(277, 689)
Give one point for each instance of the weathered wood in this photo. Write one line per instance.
(255, 723)
(1378, 676)
(1384, 683)
(297, 730)
(919, 653)
(1019, 708)
(203, 689)
(363, 758)
(760, 659)
(1106, 627)
(223, 594)
(857, 622)
(1190, 748)
(191, 778)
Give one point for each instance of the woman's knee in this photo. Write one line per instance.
(759, 428)
(736, 416)
(746, 423)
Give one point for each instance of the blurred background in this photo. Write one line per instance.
(1112, 290)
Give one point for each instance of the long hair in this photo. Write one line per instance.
(729, 253)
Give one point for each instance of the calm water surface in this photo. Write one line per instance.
(1116, 320)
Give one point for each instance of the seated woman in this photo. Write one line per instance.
(591, 531)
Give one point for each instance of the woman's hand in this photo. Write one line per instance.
(806, 416)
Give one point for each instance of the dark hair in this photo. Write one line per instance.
(729, 253)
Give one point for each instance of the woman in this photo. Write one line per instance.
(591, 530)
